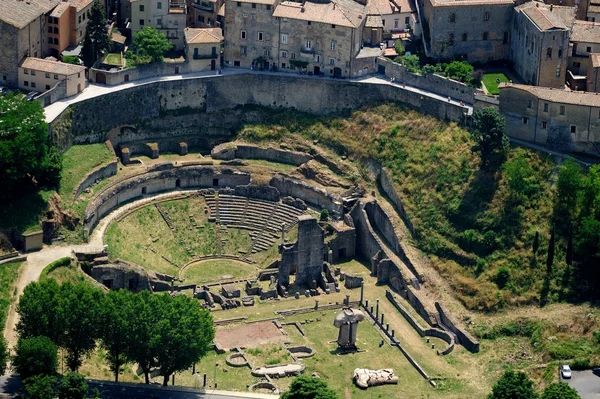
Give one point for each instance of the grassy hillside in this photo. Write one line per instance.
(477, 232)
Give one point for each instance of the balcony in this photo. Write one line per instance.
(204, 6)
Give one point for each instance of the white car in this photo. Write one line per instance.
(565, 371)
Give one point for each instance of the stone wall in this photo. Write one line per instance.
(464, 338)
(431, 82)
(99, 173)
(311, 250)
(112, 78)
(125, 276)
(165, 180)
(196, 98)
(343, 245)
(315, 196)
(256, 191)
(56, 93)
(387, 186)
(228, 151)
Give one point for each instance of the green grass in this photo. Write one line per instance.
(8, 275)
(78, 161)
(113, 59)
(213, 270)
(63, 272)
(490, 81)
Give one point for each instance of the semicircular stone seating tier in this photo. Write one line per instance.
(263, 218)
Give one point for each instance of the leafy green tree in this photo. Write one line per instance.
(145, 315)
(152, 43)
(536, 242)
(551, 245)
(399, 47)
(3, 355)
(115, 326)
(559, 390)
(459, 70)
(568, 185)
(73, 386)
(40, 387)
(513, 385)
(96, 41)
(182, 336)
(590, 193)
(520, 177)
(309, 388)
(324, 215)
(488, 133)
(80, 307)
(411, 63)
(39, 310)
(26, 154)
(35, 356)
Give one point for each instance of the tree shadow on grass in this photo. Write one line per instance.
(477, 197)
(24, 212)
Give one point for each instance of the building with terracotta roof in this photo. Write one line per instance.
(585, 40)
(559, 119)
(203, 48)
(396, 15)
(168, 16)
(540, 42)
(66, 24)
(205, 13)
(40, 75)
(316, 36)
(593, 73)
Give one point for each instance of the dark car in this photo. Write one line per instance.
(596, 370)
(31, 95)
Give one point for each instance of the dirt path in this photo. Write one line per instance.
(30, 271)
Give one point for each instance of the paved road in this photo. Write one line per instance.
(586, 383)
(95, 90)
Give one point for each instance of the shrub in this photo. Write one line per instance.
(72, 386)
(40, 387)
(399, 47)
(560, 390)
(35, 356)
(459, 70)
(411, 63)
(580, 364)
(502, 277)
(324, 215)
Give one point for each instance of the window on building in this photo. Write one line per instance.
(159, 5)
(141, 22)
(573, 129)
(283, 65)
(545, 107)
(332, 45)
(485, 35)
(49, 29)
(47, 75)
(331, 61)
(236, 63)
(309, 22)
(260, 36)
(562, 110)
(26, 83)
(32, 73)
(293, 56)
(284, 39)
(451, 39)
(574, 48)
(333, 26)
(32, 84)
(308, 44)
(242, 50)
(486, 16)
(544, 125)
(79, 20)
(55, 40)
(529, 103)
(267, 52)
(396, 23)
(464, 37)
(253, 5)
(239, 4)
(588, 49)
(268, 6)
(253, 17)
(525, 120)
(47, 87)
(26, 71)
(558, 71)
(50, 40)
(55, 77)
(243, 35)
(159, 21)
(56, 31)
(452, 18)
(141, 7)
(83, 16)
(549, 52)
(317, 58)
(559, 53)
(50, 20)
(505, 38)
(284, 54)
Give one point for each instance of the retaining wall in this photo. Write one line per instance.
(229, 151)
(428, 81)
(387, 186)
(464, 338)
(154, 182)
(112, 78)
(99, 173)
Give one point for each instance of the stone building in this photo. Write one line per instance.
(305, 256)
(564, 120)
(205, 13)
(23, 33)
(203, 48)
(478, 30)
(593, 73)
(324, 37)
(593, 11)
(67, 23)
(168, 16)
(396, 15)
(585, 40)
(40, 75)
(540, 40)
